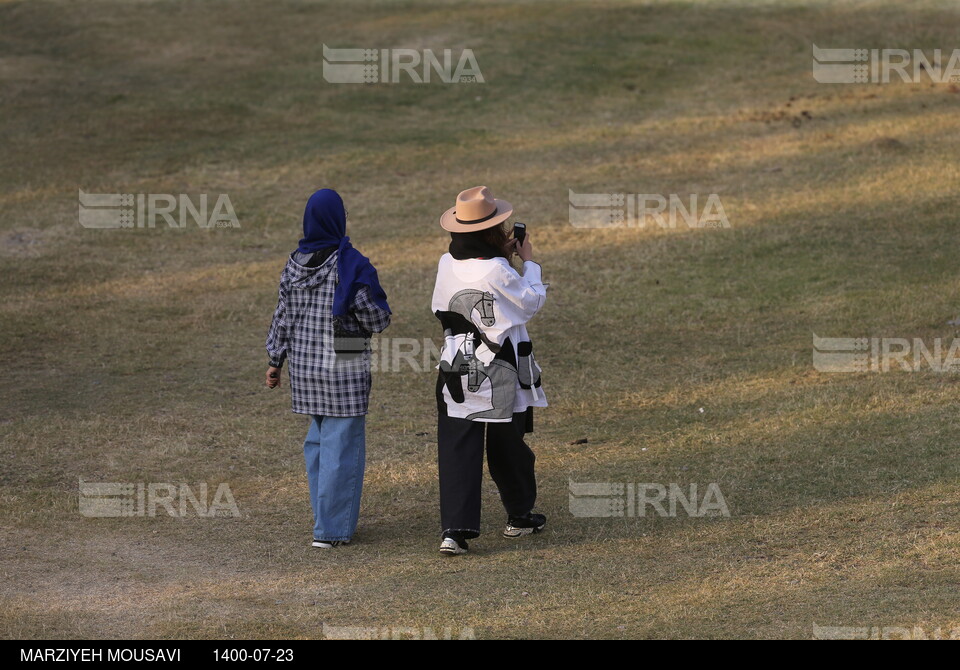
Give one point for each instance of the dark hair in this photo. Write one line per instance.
(488, 243)
(496, 237)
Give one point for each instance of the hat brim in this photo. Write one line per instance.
(448, 220)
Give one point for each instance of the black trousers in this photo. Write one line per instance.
(460, 456)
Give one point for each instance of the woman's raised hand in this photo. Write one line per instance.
(525, 250)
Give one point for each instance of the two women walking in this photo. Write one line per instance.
(331, 301)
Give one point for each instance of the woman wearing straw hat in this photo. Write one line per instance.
(489, 380)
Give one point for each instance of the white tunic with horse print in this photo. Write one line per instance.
(487, 368)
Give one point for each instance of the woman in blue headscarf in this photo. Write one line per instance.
(330, 302)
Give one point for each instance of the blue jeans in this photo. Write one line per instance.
(335, 451)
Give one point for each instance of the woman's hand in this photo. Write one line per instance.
(525, 250)
(273, 377)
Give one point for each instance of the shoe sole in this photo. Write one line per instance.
(328, 545)
(514, 533)
(453, 551)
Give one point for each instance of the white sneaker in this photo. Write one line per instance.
(525, 525)
(324, 544)
(450, 547)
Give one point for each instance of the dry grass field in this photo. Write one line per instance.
(136, 355)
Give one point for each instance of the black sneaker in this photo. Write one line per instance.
(518, 526)
(453, 544)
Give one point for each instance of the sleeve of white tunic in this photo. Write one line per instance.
(521, 296)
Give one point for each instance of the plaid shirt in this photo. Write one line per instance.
(322, 381)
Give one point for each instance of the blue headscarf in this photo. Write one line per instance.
(325, 226)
